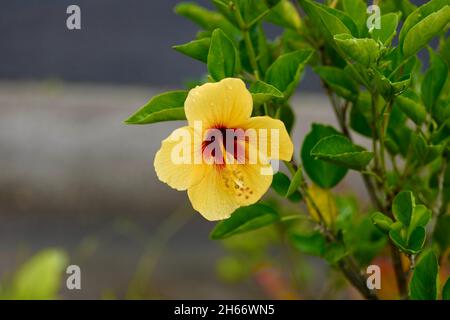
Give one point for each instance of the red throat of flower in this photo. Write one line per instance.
(220, 142)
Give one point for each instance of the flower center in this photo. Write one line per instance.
(221, 142)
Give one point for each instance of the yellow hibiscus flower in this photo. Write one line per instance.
(222, 156)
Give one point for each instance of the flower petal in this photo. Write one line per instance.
(285, 148)
(221, 104)
(254, 181)
(224, 189)
(174, 162)
(211, 197)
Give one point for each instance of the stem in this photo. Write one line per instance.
(344, 128)
(398, 68)
(357, 280)
(347, 265)
(248, 42)
(396, 260)
(399, 273)
(440, 204)
(249, 46)
(375, 131)
(251, 52)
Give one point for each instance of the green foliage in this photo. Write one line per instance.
(385, 35)
(263, 92)
(281, 184)
(378, 89)
(434, 81)
(382, 222)
(295, 183)
(446, 290)
(324, 174)
(197, 49)
(341, 151)
(329, 21)
(364, 51)
(408, 231)
(222, 58)
(356, 9)
(340, 81)
(423, 31)
(414, 110)
(245, 219)
(311, 244)
(207, 19)
(285, 72)
(285, 15)
(424, 282)
(164, 107)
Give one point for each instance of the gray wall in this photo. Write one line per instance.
(121, 41)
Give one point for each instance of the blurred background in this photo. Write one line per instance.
(77, 182)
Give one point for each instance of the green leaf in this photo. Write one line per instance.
(163, 107)
(442, 133)
(404, 6)
(40, 277)
(261, 48)
(382, 222)
(285, 72)
(311, 244)
(284, 14)
(288, 117)
(364, 239)
(347, 209)
(364, 51)
(406, 241)
(414, 110)
(356, 9)
(341, 151)
(334, 252)
(222, 56)
(418, 15)
(434, 81)
(403, 206)
(444, 49)
(423, 285)
(446, 290)
(420, 217)
(325, 175)
(397, 238)
(338, 80)
(245, 219)
(207, 19)
(295, 183)
(389, 23)
(361, 114)
(197, 49)
(281, 183)
(421, 33)
(263, 92)
(329, 21)
(424, 153)
(250, 11)
(390, 89)
(416, 240)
